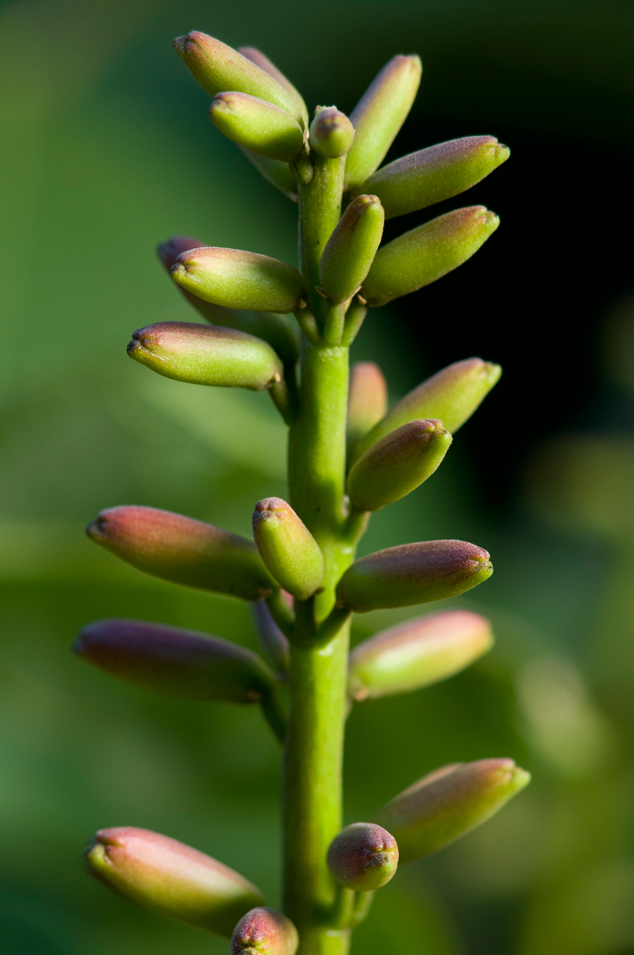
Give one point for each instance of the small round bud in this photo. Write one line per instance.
(287, 547)
(363, 856)
(331, 133)
(263, 931)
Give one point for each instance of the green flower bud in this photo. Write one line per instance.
(413, 574)
(239, 279)
(264, 931)
(287, 547)
(178, 662)
(417, 653)
(351, 248)
(257, 125)
(219, 68)
(257, 57)
(436, 173)
(379, 115)
(367, 400)
(449, 803)
(452, 395)
(206, 355)
(171, 878)
(363, 856)
(331, 133)
(277, 330)
(183, 550)
(397, 464)
(426, 253)
(277, 173)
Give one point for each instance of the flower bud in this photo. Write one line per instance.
(257, 57)
(206, 355)
(239, 279)
(452, 395)
(417, 653)
(379, 115)
(331, 132)
(257, 125)
(351, 248)
(273, 642)
(397, 464)
(219, 68)
(367, 400)
(448, 803)
(363, 856)
(287, 547)
(413, 574)
(436, 173)
(264, 931)
(171, 878)
(183, 550)
(178, 662)
(426, 253)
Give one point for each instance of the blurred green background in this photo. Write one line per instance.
(107, 151)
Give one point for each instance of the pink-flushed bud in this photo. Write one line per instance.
(331, 132)
(363, 856)
(448, 803)
(287, 547)
(367, 400)
(182, 663)
(171, 878)
(183, 550)
(264, 931)
(412, 574)
(417, 653)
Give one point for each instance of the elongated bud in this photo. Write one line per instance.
(331, 133)
(239, 279)
(425, 254)
(257, 125)
(287, 547)
(171, 878)
(363, 856)
(182, 663)
(452, 395)
(417, 653)
(264, 931)
(206, 355)
(397, 464)
(449, 803)
(379, 115)
(277, 330)
(259, 58)
(219, 68)
(367, 400)
(183, 550)
(413, 574)
(436, 173)
(351, 248)
(273, 642)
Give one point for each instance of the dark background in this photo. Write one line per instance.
(107, 150)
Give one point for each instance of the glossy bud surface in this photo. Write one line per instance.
(363, 856)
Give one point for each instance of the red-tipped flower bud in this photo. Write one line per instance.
(183, 550)
(264, 931)
(287, 547)
(331, 133)
(351, 248)
(171, 878)
(367, 400)
(363, 856)
(417, 653)
(257, 125)
(448, 803)
(413, 574)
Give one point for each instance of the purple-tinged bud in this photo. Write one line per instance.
(425, 254)
(259, 58)
(273, 642)
(436, 173)
(452, 395)
(379, 115)
(219, 68)
(397, 464)
(331, 133)
(257, 125)
(171, 878)
(413, 574)
(351, 248)
(448, 803)
(367, 400)
(183, 550)
(264, 931)
(239, 279)
(417, 653)
(182, 663)
(287, 547)
(363, 856)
